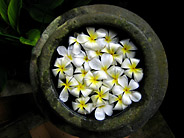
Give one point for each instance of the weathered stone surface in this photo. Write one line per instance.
(153, 86)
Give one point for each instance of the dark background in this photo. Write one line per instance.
(163, 17)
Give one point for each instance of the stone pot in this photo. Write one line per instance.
(153, 86)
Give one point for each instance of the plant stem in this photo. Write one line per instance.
(10, 36)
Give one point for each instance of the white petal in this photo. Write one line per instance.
(75, 105)
(94, 98)
(100, 75)
(126, 64)
(69, 70)
(75, 92)
(55, 71)
(76, 48)
(138, 76)
(118, 106)
(117, 89)
(114, 47)
(126, 99)
(62, 51)
(119, 58)
(86, 92)
(105, 89)
(118, 71)
(72, 40)
(60, 83)
(108, 109)
(101, 32)
(134, 61)
(73, 82)
(61, 75)
(106, 59)
(133, 84)
(112, 98)
(99, 114)
(82, 111)
(95, 64)
(64, 95)
(112, 34)
(108, 83)
(82, 38)
(101, 42)
(90, 30)
(123, 81)
(135, 96)
(106, 95)
(79, 77)
(128, 73)
(130, 54)
(89, 107)
(96, 86)
(91, 54)
(78, 62)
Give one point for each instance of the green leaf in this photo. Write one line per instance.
(32, 37)
(3, 10)
(41, 14)
(14, 8)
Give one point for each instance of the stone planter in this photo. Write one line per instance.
(153, 86)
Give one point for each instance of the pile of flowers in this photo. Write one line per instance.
(99, 71)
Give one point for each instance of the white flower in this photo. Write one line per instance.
(89, 41)
(127, 89)
(112, 49)
(114, 73)
(76, 45)
(81, 87)
(110, 37)
(67, 53)
(63, 67)
(130, 65)
(127, 49)
(117, 98)
(102, 110)
(93, 80)
(80, 59)
(70, 81)
(82, 106)
(81, 72)
(101, 96)
(103, 65)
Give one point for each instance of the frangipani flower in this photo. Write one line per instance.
(67, 53)
(82, 106)
(101, 96)
(130, 65)
(114, 73)
(80, 59)
(92, 80)
(81, 87)
(127, 49)
(103, 65)
(127, 89)
(110, 37)
(112, 49)
(70, 82)
(117, 98)
(81, 72)
(64, 67)
(102, 110)
(105, 76)
(76, 45)
(89, 41)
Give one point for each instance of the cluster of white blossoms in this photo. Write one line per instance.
(100, 71)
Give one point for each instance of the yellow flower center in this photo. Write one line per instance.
(107, 39)
(126, 90)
